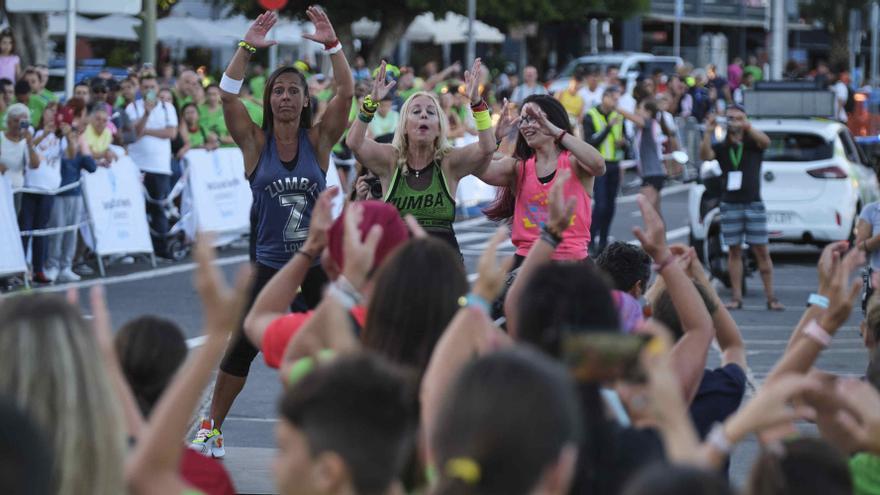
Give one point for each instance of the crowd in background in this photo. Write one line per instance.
(592, 379)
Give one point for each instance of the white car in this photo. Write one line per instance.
(630, 65)
(814, 183)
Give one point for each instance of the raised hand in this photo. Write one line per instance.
(492, 274)
(322, 220)
(771, 407)
(359, 254)
(828, 262)
(472, 79)
(711, 123)
(536, 115)
(507, 121)
(653, 238)
(256, 34)
(324, 32)
(559, 208)
(222, 306)
(380, 86)
(862, 401)
(842, 295)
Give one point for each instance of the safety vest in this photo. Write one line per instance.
(608, 148)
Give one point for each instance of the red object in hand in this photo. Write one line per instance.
(273, 4)
(65, 115)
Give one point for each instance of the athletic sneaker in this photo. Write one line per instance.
(209, 440)
(67, 275)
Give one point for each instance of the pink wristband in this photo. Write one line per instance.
(817, 333)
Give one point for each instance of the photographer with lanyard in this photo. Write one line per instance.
(285, 162)
(743, 215)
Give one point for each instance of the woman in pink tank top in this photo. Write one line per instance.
(544, 148)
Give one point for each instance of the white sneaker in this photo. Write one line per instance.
(51, 273)
(209, 440)
(67, 275)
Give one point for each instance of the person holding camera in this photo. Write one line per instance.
(155, 124)
(17, 149)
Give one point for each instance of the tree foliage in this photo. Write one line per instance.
(834, 14)
(395, 15)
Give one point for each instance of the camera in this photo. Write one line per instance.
(375, 187)
(24, 125)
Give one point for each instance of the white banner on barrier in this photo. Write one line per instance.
(11, 254)
(115, 200)
(221, 195)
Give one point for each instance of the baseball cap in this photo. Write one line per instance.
(394, 231)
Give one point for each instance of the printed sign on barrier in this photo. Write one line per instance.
(221, 195)
(11, 254)
(115, 200)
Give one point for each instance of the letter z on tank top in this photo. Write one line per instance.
(284, 200)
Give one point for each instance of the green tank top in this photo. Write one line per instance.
(433, 207)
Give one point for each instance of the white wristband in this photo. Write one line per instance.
(334, 49)
(817, 333)
(718, 439)
(818, 300)
(230, 85)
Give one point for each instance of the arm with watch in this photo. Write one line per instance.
(330, 326)
(559, 212)
(690, 352)
(587, 157)
(471, 332)
(274, 300)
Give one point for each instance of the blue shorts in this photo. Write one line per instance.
(744, 222)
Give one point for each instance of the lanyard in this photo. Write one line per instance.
(736, 156)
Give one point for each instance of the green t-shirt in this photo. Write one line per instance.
(181, 101)
(381, 126)
(258, 86)
(255, 111)
(755, 71)
(48, 95)
(198, 137)
(406, 93)
(36, 105)
(865, 471)
(213, 120)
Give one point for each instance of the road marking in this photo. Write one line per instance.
(143, 275)
(631, 198)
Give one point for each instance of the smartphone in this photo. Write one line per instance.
(604, 356)
(24, 125)
(150, 96)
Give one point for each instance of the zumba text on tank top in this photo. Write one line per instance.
(284, 199)
(433, 206)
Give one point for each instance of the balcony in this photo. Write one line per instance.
(752, 13)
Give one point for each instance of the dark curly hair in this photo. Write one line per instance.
(626, 264)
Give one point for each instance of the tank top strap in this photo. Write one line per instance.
(441, 177)
(392, 186)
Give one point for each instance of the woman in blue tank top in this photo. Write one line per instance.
(285, 161)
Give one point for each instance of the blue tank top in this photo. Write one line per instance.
(283, 200)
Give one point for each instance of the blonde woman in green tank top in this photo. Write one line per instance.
(420, 170)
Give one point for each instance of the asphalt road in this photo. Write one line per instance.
(133, 290)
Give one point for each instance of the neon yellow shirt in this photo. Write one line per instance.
(98, 143)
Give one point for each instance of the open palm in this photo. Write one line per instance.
(256, 34)
(324, 32)
(472, 80)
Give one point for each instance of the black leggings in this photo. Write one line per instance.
(241, 352)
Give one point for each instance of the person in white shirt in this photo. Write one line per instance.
(841, 93)
(592, 90)
(385, 121)
(529, 87)
(17, 148)
(36, 208)
(155, 124)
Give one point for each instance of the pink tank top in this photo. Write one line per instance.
(531, 211)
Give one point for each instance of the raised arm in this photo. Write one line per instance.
(470, 333)
(706, 151)
(275, 298)
(560, 210)
(689, 353)
(760, 138)
(335, 119)
(501, 171)
(379, 158)
(587, 157)
(244, 132)
(153, 467)
(441, 76)
(476, 157)
(636, 119)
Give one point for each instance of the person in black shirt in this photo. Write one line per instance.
(743, 215)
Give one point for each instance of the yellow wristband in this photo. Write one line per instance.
(247, 46)
(483, 120)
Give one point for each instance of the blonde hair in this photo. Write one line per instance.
(401, 141)
(52, 369)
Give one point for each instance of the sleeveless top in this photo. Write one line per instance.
(531, 212)
(283, 200)
(433, 207)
